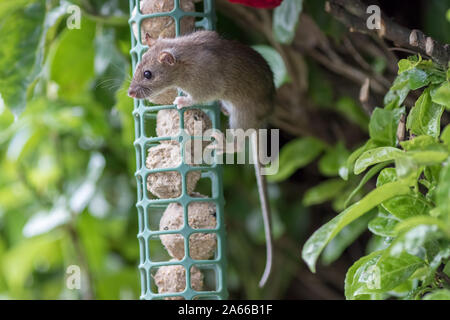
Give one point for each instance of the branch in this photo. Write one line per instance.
(353, 14)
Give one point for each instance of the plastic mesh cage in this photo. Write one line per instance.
(150, 208)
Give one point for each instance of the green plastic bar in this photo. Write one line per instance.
(143, 113)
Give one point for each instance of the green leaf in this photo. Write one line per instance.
(425, 116)
(409, 63)
(294, 155)
(6, 117)
(445, 136)
(373, 171)
(317, 242)
(442, 95)
(375, 156)
(383, 225)
(418, 78)
(447, 268)
(345, 238)
(275, 62)
(323, 192)
(93, 240)
(418, 143)
(406, 206)
(438, 294)
(410, 163)
(443, 192)
(349, 165)
(383, 125)
(333, 159)
(72, 66)
(420, 72)
(21, 33)
(402, 206)
(378, 273)
(399, 90)
(433, 154)
(386, 175)
(419, 236)
(285, 19)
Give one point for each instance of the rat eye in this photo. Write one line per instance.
(147, 74)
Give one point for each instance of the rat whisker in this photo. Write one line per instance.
(110, 84)
(119, 69)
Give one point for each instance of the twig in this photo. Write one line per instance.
(364, 96)
(353, 14)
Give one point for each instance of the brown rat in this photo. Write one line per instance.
(207, 68)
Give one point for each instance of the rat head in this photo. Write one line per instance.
(156, 72)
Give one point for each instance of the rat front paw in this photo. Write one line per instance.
(182, 102)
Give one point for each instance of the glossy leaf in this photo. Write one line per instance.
(414, 233)
(348, 167)
(378, 273)
(383, 125)
(324, 191)
(294, 155)
(317, 242)
(72, 66)
(285, 19)
(383, 225)
(409, 63)
(21, 31)
(399, 90)
(275, 62)
(406, 206)
(418, 143)
(402, 206)
(442, 95)
(333, 159)
(439, 294)
(375, 156)
(345, 238)
(445, 136)
(373, 171)
(443, 192)
(425, 116)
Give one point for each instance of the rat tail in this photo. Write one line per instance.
(262, 190)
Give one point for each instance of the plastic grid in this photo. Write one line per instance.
(143, 113)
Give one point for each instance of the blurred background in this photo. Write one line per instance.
(67, 162)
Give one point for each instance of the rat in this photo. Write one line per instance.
(207, 67)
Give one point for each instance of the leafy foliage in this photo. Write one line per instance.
(67, 162)
(67, 159)
(411, 197)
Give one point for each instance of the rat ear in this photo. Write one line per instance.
(149, 40)
(167, 58)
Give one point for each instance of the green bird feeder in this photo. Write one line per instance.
(212, 272)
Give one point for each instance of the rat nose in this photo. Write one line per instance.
(132, 93)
